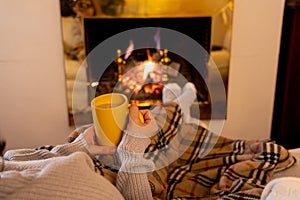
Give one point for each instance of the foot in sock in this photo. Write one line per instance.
(170, 92)
(185, 100)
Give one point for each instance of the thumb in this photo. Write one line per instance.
(95, 150)
(134, 114)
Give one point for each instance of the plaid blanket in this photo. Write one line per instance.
(194, 163)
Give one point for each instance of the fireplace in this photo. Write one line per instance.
(140, 65)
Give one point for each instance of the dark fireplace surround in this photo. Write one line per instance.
(99, 29)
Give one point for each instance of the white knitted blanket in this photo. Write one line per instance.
(67, 177)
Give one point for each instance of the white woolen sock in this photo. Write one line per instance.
(170, 92)
(185, 100)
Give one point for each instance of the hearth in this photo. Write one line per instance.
(137, 65)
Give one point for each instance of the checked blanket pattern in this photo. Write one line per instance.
(194, 163)
(211, 166)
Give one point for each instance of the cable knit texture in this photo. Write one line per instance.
(131, 153)
(134, 166)
(65, 177)
(66, 172)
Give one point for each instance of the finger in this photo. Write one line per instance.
(134, 114)
(72, 136)
(89, 135)
(90, 129)
(96, 150)
(148, 117)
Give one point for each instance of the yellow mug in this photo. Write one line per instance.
(109, 113)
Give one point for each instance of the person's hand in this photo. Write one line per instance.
(93, 148)
(135, 140)
(147, 128)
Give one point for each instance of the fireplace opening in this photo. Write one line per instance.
(111, 69)
(142, 75)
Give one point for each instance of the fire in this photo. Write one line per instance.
(148, 68)
(143, 79)
(129, 49)
(153, 89)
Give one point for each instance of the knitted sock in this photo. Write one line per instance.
(185, 100)
(184, 97)
(170, 92)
